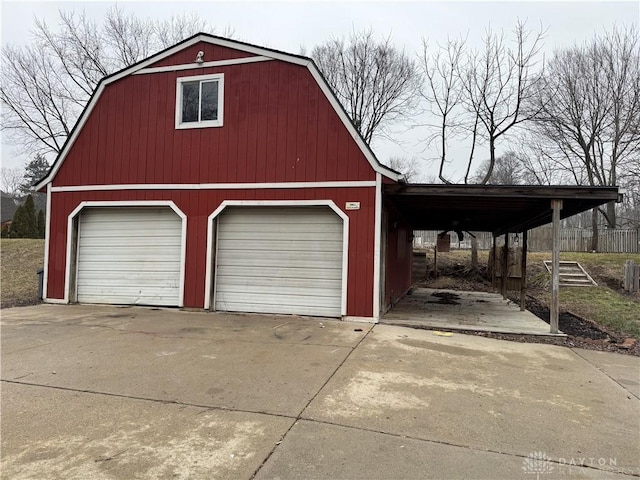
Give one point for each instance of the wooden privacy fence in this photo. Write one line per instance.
(540, 240)
(631, 276)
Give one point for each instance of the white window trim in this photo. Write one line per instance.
(206, 123)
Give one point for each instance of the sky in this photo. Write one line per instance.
(295, 25)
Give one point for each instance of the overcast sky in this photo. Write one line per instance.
(289, 26)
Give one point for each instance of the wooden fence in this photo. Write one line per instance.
(540, 240)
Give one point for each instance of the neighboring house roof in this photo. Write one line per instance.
(237, 45)
(8, 207)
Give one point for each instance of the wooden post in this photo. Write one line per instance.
(556, 206)
(474, 253)
(523, 272)
(494, 263)
(505, 267)
(435, 261)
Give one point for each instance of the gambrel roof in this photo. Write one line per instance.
(262, 52)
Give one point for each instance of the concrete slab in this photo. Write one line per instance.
(236, 375)
(322, 451)
(96, 377)
(484, 394)
(623, 369)
(48, 433)
(170, 322)
(458, 310)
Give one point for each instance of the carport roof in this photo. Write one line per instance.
(497, 208)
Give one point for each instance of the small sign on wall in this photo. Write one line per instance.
(352, 206)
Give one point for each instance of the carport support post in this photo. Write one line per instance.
(505, 266)
(556, 206)
(523, 272)
(494, 264)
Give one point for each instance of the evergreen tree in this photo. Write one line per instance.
(41, 224)
(16, 230)
(35, 170)
(25, 223)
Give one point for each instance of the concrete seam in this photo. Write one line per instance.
(149, 399)
(604, 372)
(442, 442)
(299, 416)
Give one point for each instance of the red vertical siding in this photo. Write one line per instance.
(211, 53)
(274, 109)
(198, 205)
(399, 259)
(278, 127)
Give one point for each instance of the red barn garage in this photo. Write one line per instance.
(223, 176)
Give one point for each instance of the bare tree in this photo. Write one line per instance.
(498, 81)
(508, 169)
(10, 180)
(376, 83)
(443, 93)
(589, 112)
(409, 167)
(480, 95)
(45, 85)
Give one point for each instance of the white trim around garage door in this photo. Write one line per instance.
(125, 203)
(376, 248)
(277, 203)
(47, 229)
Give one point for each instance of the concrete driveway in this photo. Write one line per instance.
(107, 392)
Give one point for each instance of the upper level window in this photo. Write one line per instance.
(199, 101)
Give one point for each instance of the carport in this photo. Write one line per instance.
(500, 210)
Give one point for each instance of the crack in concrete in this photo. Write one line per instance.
(597, 367)
(299, 416)
(148, 399)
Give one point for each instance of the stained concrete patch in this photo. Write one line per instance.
(48, 433)
(468, 390)
(321, 451)
(175, 323)
(259, 377)
(624, 369)
(459, 310)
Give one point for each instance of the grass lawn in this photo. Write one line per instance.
(607, 304)
(20, 259)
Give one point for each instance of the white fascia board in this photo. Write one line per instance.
(214, 186)
(193, 66)
(364, 148)
(237, 46)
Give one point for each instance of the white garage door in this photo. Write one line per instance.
(129, 256)
(279, 260)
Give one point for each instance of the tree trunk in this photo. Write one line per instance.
(594, 230)
(611, 215)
